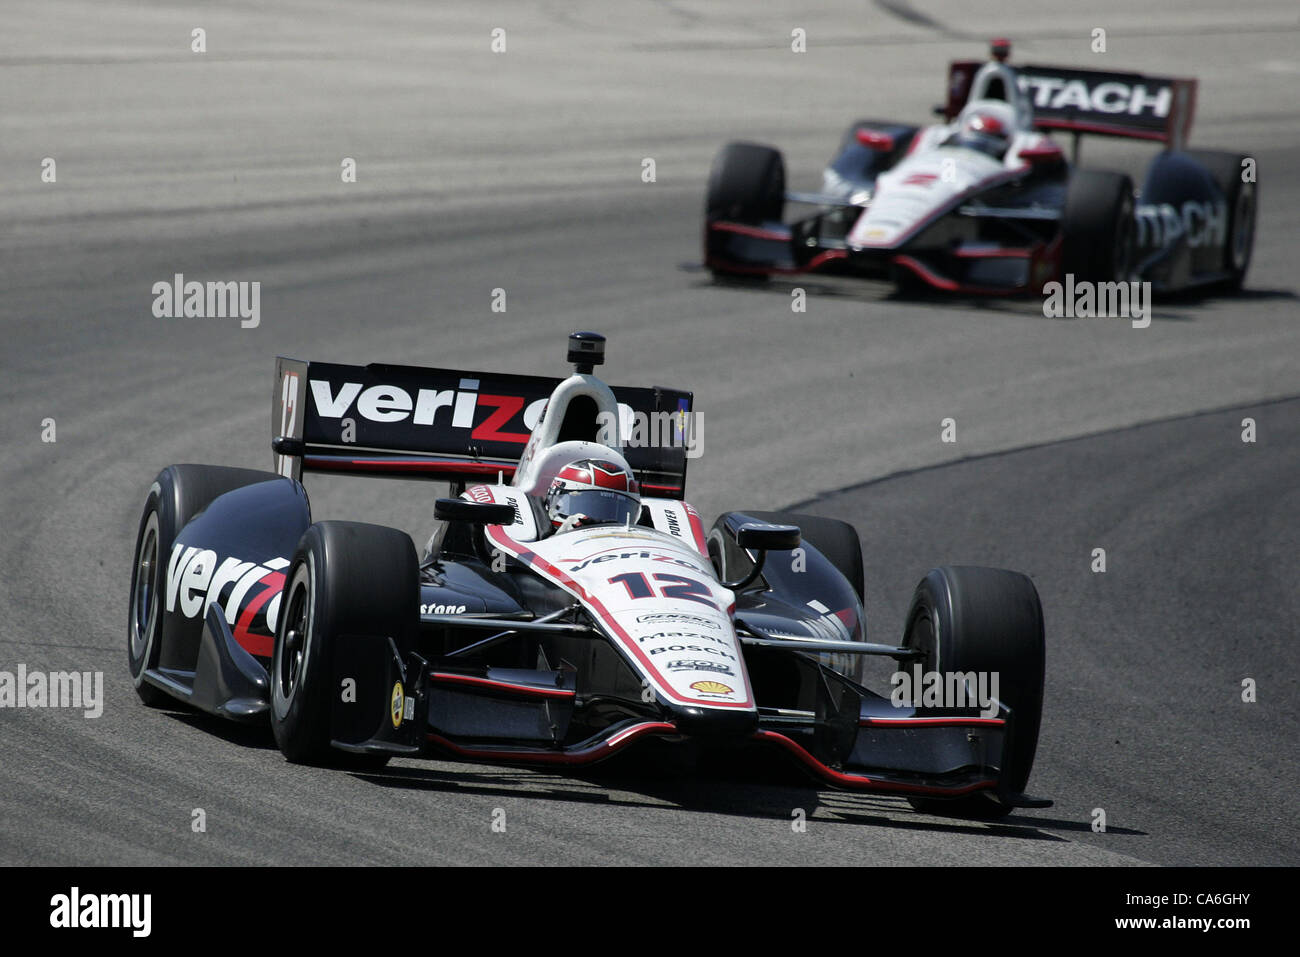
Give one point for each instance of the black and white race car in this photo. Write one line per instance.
(569, 604)
(987, 203)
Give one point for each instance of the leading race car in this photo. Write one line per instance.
(986, 202)
(569, 604)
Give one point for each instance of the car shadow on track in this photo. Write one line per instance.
(1027, 304)
(255, 736)
(767, 788)
(652, 775)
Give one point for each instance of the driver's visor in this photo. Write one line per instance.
(598, 505)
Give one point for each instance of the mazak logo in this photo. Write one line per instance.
(1111, 97)
(211, 300)
(195, 580)
(681, 636)
(75, 910)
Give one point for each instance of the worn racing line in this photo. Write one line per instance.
(522, 171)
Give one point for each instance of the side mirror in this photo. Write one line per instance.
(766, 537)
(476, 513)
(762, 537)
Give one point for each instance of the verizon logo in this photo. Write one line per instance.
(390, 403)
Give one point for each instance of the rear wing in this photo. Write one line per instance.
(410, 422)
(1133, 105)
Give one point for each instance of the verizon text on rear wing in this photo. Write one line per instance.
(410, 422)
(1133, 105)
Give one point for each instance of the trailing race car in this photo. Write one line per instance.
(569, 604)
(986, 202)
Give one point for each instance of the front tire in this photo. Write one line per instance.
(746, 186)
(178, 494)
(346, 579)
(1099, 225)
(968, 618)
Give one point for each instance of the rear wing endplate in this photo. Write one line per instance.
(444, 424)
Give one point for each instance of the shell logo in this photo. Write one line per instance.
(711, 687)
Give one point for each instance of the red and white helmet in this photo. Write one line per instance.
(987, 123)
(592, 492)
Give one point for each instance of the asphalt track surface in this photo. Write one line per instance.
(522, 171)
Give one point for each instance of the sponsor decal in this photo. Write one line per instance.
(442, 609)
(675, 618)
(683, 636)
(695, 649)
(709, 687)
(1111, 97)
(460, 408)
(625, 556)
(195, 579)
(920, 179)
(687, 664)
(480, 493)
(1201, 223)
(397, 705)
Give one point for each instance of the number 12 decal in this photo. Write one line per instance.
(638, 586)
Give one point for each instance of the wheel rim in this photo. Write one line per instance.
(144, 591)
(292, 657)
(924, 636)
(1243, 226)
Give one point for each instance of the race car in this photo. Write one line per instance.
(568, 604)
(987, 203)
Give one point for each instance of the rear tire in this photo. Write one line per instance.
(1243, 201)
(835, 539)
(178, 494)
(346, 578)
(746, 186)
(968, 618)
(1099, 226)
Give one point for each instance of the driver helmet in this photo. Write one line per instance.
(592, 492)
(987, 128)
